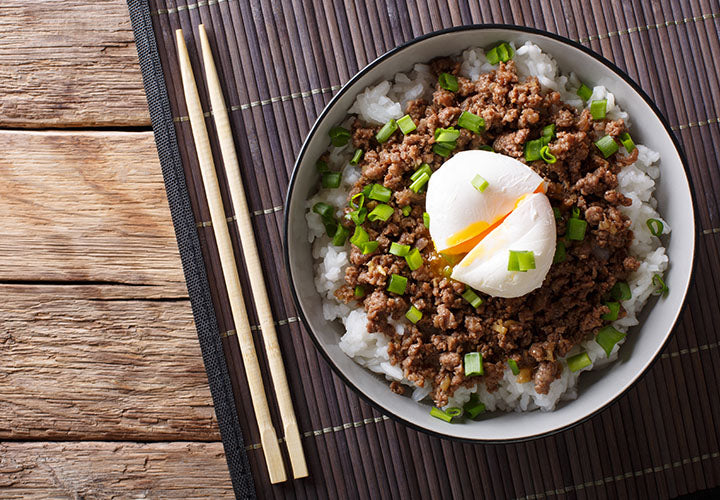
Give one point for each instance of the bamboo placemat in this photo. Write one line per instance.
(280, 63)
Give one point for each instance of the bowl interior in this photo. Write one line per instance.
(596, 388)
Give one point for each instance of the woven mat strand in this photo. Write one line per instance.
(280, 63)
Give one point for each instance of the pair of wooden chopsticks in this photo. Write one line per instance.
(268, 437)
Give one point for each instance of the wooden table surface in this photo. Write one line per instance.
(102, 387)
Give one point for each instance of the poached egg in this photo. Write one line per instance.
(511, 213)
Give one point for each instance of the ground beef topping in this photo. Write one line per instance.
(535, 329)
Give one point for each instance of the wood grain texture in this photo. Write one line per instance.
(95, 362)
(91, 470)
(86, 206)
(69, 63)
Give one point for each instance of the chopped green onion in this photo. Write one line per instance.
(471, 122)
(578, 362)
(627, 142)
(472, 297)
(532, 149)
(379, 192)
(322, 166)
(513, 264)
(369, 247)
(359, 292)
(443, 149)
(576, 229)
(473, 364)
(556, 212)
(560, 253)
(386, 131)
(399, 250)
(359, 237)
(413, 314)
(486, 147)
(614, 311)
(598, 108)
(546, 155)
(584, 92)
(607, 337)
(548, 133)
(655, 226)
(448, 82)
(526, 260)
(426, 219)
(341, 234)
(474, 408)
(331, 180)
(414, 259)
(406, 124)
(438, 413)
(357, 205)
(357, 157)
(324, 210)
(406, 210)
(620, 291)
(479, 183)
(501, 52)
(381, 212)
(453, 411)
(397, 284)
(418, 183)
(514, 368)
(366, 190)
(575, 214)
(660, 287)
(339, 136)
(424, 168)
(446, 134)
(358, 216)
(607, 145)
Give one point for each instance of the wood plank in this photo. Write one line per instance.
(86, 206)
(69, 63)
(94, 362)
(113, 470)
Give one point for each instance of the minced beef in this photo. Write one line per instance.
(534, 329)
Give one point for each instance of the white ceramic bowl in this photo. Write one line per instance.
(596, 389)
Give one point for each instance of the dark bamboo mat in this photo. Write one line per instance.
(280, 63)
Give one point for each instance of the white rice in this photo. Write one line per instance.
(386, 100)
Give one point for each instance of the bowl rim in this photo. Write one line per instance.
(369, 67)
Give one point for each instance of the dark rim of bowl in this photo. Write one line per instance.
(370, 67)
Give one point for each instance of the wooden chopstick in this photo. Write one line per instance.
(268, 437)
(252, 260)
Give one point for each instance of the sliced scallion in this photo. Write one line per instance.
(339, 136)
(471, 122)
(584, 92)
(532, 150)
(357, 157)
(381, 212)
(560, 253)
(556, 213)
(322, 166)
(576, 229)
(379, 192)
(399, 250)
(331, 180)
(359, 237)
(397, 284)
(448, 82)
(514, 368)
(548, 133)
(413, 314)
(341, 234)
(406, 124)
(627, 142)
(575, 213)
(621, 291)
(369, 247)
(426, 219)
(614, 311)
(359, 292)
(502, 52)
(660, 287)
(546, 155)
(406, 210)
(521, 260)
(607, 337)
(424, 168)
(607, 145)
(443, 135)
(386, 131)
(578, 362)
(418, 183)
(358, 216)
(324, 210)
(472, 297)
(598, 109)
(438, 413)
(655, 226)
(443, 149)
(472, 364)
(414, 259)
(474, 408)
(513, 264)
(357, 201)
(479, 183)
